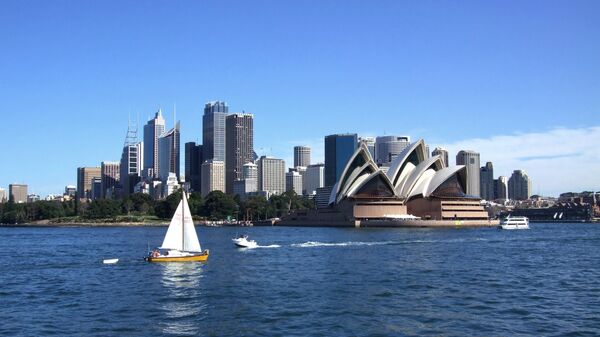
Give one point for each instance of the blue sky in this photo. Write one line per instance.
(71, 72)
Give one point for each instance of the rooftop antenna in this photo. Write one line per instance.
(131, 136)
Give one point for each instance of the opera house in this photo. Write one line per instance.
(416, 190)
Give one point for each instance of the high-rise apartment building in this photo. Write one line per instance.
(271, 175)
(193, 166)
(313, 178)
(440, 151)
(471, 161)
(213, 177)
(169, 153)
(519, 186)
(486, 181)
(96, 188)
(152, 131)
(338, 150)
(85, 175)
(388, 147)
(239, 146)
(18, 193)
(301, 156)
(110, 172)
(501, 187)
(213, 130)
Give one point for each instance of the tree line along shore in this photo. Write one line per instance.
(141, 209)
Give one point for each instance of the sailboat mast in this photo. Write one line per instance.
(183, 220)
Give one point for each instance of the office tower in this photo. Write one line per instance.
(338, 150)
(501, 187)
(293, 182)
(193, 165)
(271, 175)
(239, 131)
(213, 177)
(486, 181)
(169, 153)
(519, 186)
(440, 151)
(301, 156)
(471, 160)
(95, 189)
(152, 131)
(250, 175)
(3, 196)
(131, 166)
(171, 185)
(85, 175)
(70, 191)
(249, 181)
(18, 193)
(313, 179)
(110, 172)
(370, 143)
(388, 147)
(213, 130)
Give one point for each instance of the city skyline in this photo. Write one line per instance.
(533, 95)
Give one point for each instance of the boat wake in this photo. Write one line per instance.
(269, 246)
(340, 244)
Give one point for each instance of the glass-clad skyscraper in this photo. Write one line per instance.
(338, 150)
(213, 130)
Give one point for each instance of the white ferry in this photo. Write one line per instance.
(518, 222)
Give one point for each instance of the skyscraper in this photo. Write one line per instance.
(501, 187)
(486, 181)
(85, 175)
(213, 130)
(169, 154)
(152, 131)
(213, 177)
(271, 175)
(301, 156)
(193, 165)
(293, 182)
(519, 186)
(110, 172)
(443, 153)
(18, 193)
(132, 160)
(239, 146)
(388, 147)
(471, 160)
(314, 178)
(338, 150)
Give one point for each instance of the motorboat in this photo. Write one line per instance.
(518, 222)
(243, 242)
(110, 261)
(181, 241)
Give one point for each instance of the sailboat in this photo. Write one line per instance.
(181, 242)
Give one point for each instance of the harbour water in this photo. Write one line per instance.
(304, 282)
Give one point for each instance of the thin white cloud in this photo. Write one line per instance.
(558, 160)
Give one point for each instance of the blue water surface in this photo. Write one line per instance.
(304, 282)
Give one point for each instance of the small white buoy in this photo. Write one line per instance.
(110, 261)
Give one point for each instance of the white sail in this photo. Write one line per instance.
(173, 239)
(190, 242)
(181, 234)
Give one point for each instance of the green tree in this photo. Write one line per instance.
(142, 203)
(196, 203)
(103, 209)
(219, 206)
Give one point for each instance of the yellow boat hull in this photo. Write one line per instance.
(192, 258)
